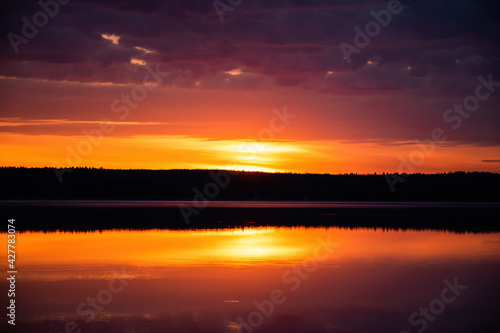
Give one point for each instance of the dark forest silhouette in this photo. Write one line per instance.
(101, 184)
(87, 183)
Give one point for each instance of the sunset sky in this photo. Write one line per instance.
(256, 85)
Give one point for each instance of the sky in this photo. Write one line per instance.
(290, 86)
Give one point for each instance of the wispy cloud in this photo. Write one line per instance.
(10, 121)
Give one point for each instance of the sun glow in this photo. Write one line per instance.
(171, 248)
(254, 247)
(256, 155)
(241, 247)
(189, 152)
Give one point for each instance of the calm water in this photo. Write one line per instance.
(264, 279)
(242, 204)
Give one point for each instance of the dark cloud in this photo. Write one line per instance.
(287, 40)
(430, 54)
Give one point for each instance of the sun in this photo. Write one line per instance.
(247, 155)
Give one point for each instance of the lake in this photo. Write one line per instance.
(256, 279)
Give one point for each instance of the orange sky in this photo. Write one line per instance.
(66, 124)
(178, 152)
(190, 91)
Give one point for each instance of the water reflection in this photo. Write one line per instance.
(108, 215)
(333, 280)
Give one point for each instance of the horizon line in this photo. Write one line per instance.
(266, 172)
